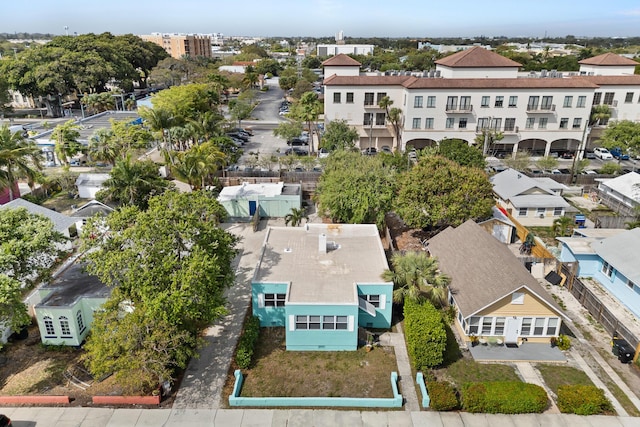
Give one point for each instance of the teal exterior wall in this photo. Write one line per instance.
(269, 316)
(342, 402)
(322, 339)
(426, 400)
(382, 319)
(277, 206)
(79, 326)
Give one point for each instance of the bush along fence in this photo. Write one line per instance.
(244, 352)
(503, 397)
(344, 402)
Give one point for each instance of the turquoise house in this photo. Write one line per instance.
(322, 282)
(65, 311)
(270, 199)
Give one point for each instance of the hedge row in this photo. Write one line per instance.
(503, 397)
(244, 352)
(443, 396)
(425, 334)
(583, 400)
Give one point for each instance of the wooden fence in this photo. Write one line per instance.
(539, 250)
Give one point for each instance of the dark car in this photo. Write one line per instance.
(238, 135)
(297, 142)
(5, 421)
(567, 155)
(295, 151)
(248, 131)
(370, 151)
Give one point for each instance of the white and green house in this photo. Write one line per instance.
(67, 304)
(321, 282)
(269, 199)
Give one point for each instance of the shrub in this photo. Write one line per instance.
(563, 342)
(583, 400)
(244, 352)
(425, 334)
(443, 396)
(504, 397)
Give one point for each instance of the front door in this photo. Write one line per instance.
(512, 330)
(252, 207)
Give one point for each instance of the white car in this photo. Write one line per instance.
(602, 153)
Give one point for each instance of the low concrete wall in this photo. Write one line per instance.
(426, 400)
(34, 400)
(343, 402)
(126, 400)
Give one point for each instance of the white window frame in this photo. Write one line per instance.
(416, 123)
(517, 298)
(582, 101)
(337, 98)
(474, 325)
(513, 101)
(80, 321)
(485, 101)
(462, 123)
(65, 327)
(568, 101)
(349, 99)
(451, 122)
(607, 269)
(541, 211)
(557, 211)
(50, 330)
(525, 329)
(531, 122)
(428, 123)
(417, 101)
(522, 212)
(431, 101)
(552, 324)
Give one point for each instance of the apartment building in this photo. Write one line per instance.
(477, 93)
(181, 45)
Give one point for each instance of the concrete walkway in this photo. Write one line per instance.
(407, 382)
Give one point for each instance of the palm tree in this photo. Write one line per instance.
(394, 116)
(18, 157)
(66, 137)
(307, 111)
(600, 114)
(416, 276)
(160, 121)
(196, 165)
(102, 147)
(562, 227)
(295, 217)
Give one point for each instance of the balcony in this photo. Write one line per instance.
(541, 109)
(510, 131)
(371, 106)
(459, 109)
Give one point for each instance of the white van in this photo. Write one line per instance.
(19, 128)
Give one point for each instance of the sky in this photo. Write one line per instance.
(325, 18)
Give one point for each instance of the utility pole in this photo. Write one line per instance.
(579, 152)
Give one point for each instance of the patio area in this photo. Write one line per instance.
(525, 352)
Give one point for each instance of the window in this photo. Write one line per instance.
(552, 326)
(462, 123)
(341, 322)
(314, 322)
(499, 101)
(450, 122)
(630, 284)
(597, 97)
(607, 270)
(483, 123)
(499, 328)
(368, 119)
(487, 322)
(50, 332)
(349, 97)
(582, 101)
(577, 123)
(417, 102)
(525, 329)
(496, 124)
(568, 100)
(533, 103)
(542, 123)
(557, 211)
(274, 300)
(380, 119)
(328, 322)
(416, 123)
(522, 212)
(485, 101)
(538, 328)
(474, 322)
(374, 300)
(564, 123)
(517, 298)
(513, 101)
(301, 322)
(531, 121)
(64, 326)
(431, 102)
(547, 103)
(380, 96)
(428, 123)
(510, 124)
(628, 97)
(465, 102)
(541, 211)
(452, 103)
(368, 98)
(608, 98)
(80, 322)
(336, 97)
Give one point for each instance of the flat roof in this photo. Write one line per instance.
(246, 190)
(292, 255)
(74, 283)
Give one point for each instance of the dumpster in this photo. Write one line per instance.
(622, 350)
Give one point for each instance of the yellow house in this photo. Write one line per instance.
(495, 296)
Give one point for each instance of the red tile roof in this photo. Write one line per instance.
(477, 57)
(608, 59)
(341, 60)
(612, 80)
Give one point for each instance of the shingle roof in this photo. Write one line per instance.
(477, 57)
(341, 60)
(510, 183)
(538, 201)
(482, 269)
(621, 251)
(61, 223)
(608, 59)
(92, 208)
(627, 185)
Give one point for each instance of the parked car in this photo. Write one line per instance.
(295, 151)
(567, 155)
(239, 135)
(617, 153)
(386, 149)
(322, 153)
(304, 136)
(590, 155)
(248, 131)
(602, 153)
(297, 142)
(370, 151)
(589, 172)
(5, 421)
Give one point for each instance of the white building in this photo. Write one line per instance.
(474, 92)
(347, 49)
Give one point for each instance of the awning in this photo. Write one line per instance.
(365, 305)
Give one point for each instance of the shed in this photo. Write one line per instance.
(90, 183)
(269, 199)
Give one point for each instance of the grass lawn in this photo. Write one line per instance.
(465, 371)
(62, 203)
(277, 372)
(555, 376)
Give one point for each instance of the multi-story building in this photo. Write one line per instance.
(475, 94)
(181, 45)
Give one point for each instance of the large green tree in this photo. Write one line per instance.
(197, 165)
(356, 189)
(462, 153)
(168, 267)
(624, 134)
(339, 135)
(18, 157)
(307, 110)
(438, 192)
(111, 144)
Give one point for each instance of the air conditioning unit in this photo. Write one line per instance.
(541, 216)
